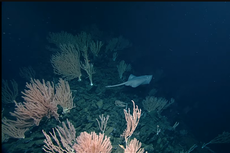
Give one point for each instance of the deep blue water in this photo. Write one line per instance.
(189, 41)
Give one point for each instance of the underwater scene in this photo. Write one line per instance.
(115, 77)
